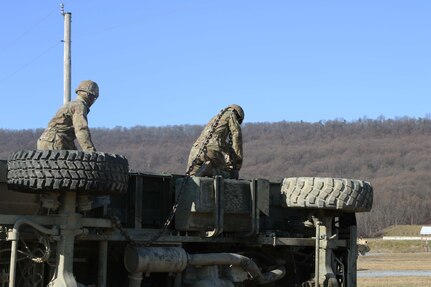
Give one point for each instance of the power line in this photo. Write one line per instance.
(29, 63)
(4, 48)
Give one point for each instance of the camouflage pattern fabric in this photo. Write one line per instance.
(363, 246)
(69, 123)
(223, 152)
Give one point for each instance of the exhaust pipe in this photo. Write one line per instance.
(176, 259)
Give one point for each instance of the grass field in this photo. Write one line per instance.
(401, 230)
(395, 261)
(396, 255)
(395, 246)
(395, 282)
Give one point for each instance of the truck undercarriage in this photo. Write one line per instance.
(70, 218)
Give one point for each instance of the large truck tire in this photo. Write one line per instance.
(41, 171)
(346, 195)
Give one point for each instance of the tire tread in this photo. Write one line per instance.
(347, 195)
(39, 171)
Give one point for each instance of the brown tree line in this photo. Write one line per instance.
(393, 154)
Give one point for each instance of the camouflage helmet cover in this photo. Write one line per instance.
(89, 87)
(238, 110)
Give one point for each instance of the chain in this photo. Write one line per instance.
(231, 151)
(117, 225)
(116, 221)
(203, 147)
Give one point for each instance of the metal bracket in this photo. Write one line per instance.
(218, 207)
(323, 259)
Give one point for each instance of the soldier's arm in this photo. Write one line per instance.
(235, 129)
(82, 131)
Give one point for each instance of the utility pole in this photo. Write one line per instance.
(67, 54)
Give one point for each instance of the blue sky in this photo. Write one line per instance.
(172, 62)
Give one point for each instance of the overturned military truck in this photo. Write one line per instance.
(73, 218)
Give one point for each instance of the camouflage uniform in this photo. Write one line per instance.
(70, 123)
(223, 153)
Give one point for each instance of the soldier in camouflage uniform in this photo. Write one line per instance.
(223, 153)
(70, 122)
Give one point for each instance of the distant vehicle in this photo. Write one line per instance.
(59, 228)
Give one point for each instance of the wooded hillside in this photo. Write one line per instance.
(394, 155)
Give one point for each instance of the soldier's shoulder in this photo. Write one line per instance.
(79, 104)
(77, 107)
(224, 117)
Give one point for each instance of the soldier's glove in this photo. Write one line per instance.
(234, 174)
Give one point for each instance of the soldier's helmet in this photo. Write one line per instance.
(89, 87)
(239, 111)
